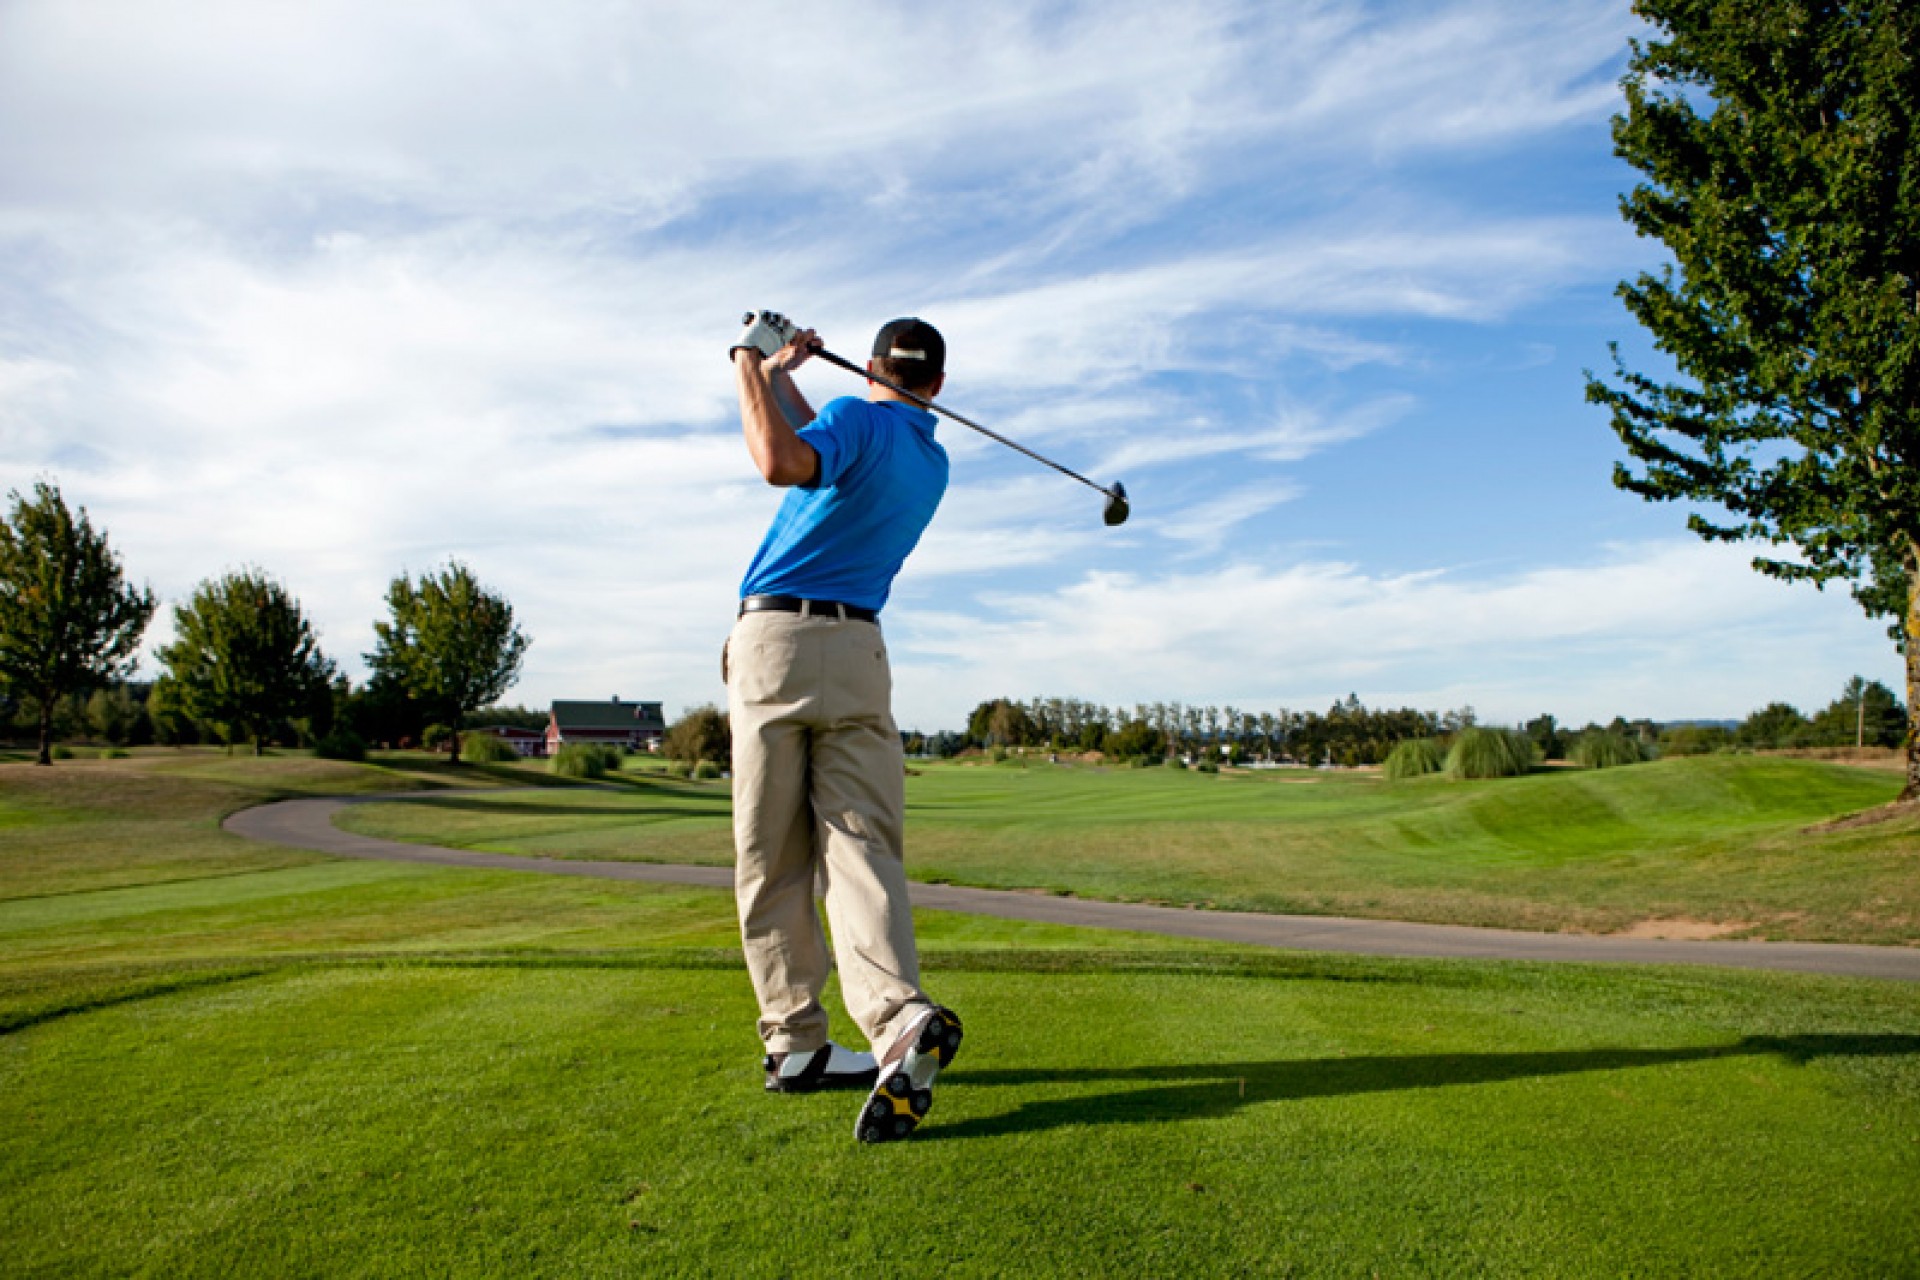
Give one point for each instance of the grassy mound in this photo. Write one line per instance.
(1490, 753)
(1414, 758)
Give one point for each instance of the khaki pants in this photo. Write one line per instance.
(819, 793)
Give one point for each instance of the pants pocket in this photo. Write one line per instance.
(770, 672)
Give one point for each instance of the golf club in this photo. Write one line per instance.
(1117, 509)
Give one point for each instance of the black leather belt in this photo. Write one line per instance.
(807, 608)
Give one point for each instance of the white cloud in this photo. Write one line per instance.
(1666, 628)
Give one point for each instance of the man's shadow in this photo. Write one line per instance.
(1200, 1091)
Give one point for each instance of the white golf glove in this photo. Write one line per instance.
(766, 332)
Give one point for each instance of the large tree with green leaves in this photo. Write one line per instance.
(450, 643)
(69, 622)
(245, 659)
(1777, 143)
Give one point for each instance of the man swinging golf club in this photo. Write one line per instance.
(818, 772)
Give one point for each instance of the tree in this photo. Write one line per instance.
(245, 659)
(451, 644)
(701, 734)
(69, 623)
(1866, 712)
(1778, 141)
(1774, 725)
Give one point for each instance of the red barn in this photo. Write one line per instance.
(637, 726)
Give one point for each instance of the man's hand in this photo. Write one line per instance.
(800, 347)
(766, 332)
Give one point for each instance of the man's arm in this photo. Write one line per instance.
(772, 411)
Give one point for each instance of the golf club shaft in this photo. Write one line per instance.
(925, 403)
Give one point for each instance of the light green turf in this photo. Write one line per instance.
(355, 1069)
(1723, 840)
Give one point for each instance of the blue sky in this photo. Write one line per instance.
(346, 289)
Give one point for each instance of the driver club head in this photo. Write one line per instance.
(1117, 509)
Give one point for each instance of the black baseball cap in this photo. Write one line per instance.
(912, 340)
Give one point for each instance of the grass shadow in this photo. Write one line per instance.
(1188, 1091)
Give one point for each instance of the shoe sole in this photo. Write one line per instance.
(903, 1095)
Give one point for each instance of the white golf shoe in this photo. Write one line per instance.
(812, 1070)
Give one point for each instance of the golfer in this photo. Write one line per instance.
(818, 772)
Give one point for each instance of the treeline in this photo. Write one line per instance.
(245, 665)
(1348, 732)
(1351, 733)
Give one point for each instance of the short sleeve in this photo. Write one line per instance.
(835, 435)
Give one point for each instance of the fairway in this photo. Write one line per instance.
(338, 1068)
(1716, 843)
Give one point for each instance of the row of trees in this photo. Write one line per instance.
(245, 664)
(1351, 733)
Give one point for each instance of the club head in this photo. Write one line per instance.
(1117, 509)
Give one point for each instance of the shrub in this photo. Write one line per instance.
(1693, 740)
(341, 744)
(113, 753)
(63, 753)
(1414, 757)
(434, 737)
(706, 769)
(679, 769)
(1606, 750)
(1206, 766)
(1490, 753)
(486, 748)
(577, 760)
(701, 734)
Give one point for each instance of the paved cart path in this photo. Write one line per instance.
(308, 824)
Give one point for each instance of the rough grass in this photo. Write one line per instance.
(1414, 758)
(1723, 840)
(1489, 753)
(1607, 751)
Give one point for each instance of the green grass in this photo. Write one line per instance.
(342, 1068)
(1720, 839)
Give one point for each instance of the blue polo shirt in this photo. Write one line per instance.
(882, 475)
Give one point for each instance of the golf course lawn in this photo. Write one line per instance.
(230, 1060)
(1720, 841)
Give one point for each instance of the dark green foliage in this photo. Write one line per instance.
(341, 744)
(1545, 732)
(700, 734)
(512, 717)
(435, 737)
(1866, 712)
(1136, 739)
(1489, 753)
(450, 643)
(1606, 750)
(706, 770)
(68, 621)
(1415, 757)
(1775, 725)
(245, 659)
(1778, 142)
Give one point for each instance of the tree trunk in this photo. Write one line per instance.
(1911, 793)
(46, 730)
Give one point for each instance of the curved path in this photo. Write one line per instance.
(308, 824)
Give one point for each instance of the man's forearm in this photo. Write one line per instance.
(772, 411)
